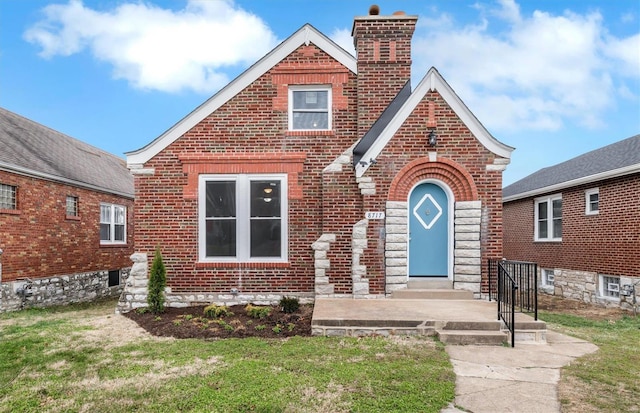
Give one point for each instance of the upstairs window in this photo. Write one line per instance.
(8, 197)
(72, 206)
(548, 218)
(113, 223)
(243, 218)
(310, 108)
(592, 201)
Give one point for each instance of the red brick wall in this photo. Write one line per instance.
(250, 125)
(606, 243)
(455, 143)
(38, 240)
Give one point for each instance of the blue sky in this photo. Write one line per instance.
(553, 78)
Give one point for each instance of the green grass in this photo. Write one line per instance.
(609, 379)
(55, 360)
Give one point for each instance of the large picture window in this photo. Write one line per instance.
(113, 224)
(243, 218)
(309, 108)
(548, 217)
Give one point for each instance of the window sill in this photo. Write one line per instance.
(312, 132)
(10, 211)
(114, 245)
(72, 218)
(242, 264)
(556, 241)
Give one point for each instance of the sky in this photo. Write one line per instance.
(552, 78)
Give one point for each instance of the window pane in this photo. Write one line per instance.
(105, 232)
(265, 198)
(265, 238)
(105, 214)
(119, 215)
(72, 206)
(593, 202)
(221, 238)
(7, 197)
(557, 218)
(221, 199)
(310, 120)
(119, 236)
(542, 229)
(557, 208)
(542, 210)
(310, 99)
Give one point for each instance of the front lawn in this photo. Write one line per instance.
(85, 358)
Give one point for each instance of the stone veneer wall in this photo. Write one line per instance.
(467, 265)
(135, 293)
(59, 290)
(583, 286)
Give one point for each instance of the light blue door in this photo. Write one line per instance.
(428, 231)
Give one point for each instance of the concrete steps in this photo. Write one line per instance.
(432, 294)
(471, 332)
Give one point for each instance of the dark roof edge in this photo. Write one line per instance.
(383, 120)
(614, 173)
(36, 174)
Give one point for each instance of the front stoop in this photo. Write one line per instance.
(432, 294)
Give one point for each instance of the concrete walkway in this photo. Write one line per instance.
(523, 379)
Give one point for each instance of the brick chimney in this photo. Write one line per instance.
(383, 50)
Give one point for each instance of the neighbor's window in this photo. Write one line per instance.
(113, 223)
(7, 197)
(72, 206)
(609, 286)
(548, 277)
(309, 108)
(592, 201)
(548, 218)
(243, 218)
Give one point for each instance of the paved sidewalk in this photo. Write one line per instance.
(522, 379)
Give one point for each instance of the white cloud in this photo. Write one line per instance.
(342, 37)
(534, 71)
(155, 48)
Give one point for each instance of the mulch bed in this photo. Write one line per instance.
(190, 322)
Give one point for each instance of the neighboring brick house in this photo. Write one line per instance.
(66, 211)
(580, 222)
(308, 173)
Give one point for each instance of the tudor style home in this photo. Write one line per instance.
(66, 211)
(580, 222)
(316, 174)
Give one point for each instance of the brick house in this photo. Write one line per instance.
(306, 175)
(66, 211)
(580, 222)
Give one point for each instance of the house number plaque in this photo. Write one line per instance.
(374, 215)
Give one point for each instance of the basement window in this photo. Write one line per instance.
(548, 277)
(609, 286)
(309, 108)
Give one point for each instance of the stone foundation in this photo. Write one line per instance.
(59, 290)
(584, 286)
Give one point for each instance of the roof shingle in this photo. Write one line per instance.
(32, 148)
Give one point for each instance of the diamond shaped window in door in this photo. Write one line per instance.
(427, 211)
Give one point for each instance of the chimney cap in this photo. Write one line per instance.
(374, 10)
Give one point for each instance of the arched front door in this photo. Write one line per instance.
(428, 231)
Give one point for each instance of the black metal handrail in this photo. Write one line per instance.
(507, 288)
(514, 285)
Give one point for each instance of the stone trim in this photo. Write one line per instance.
(366, 185)
(322, 264)
(467, 261)
(358, 271)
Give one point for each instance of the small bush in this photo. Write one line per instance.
(260, 327)
(217, 311)
(289, 305)
(277, 329)
(256, 311)
(157, 283)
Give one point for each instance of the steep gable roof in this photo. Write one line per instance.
(618, 159)
(32, 149)
(433, 81)
(305, 35)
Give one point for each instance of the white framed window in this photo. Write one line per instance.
(8, 197)
(592, 201)
(548, 277)
(548, 218)
(309, 108)
(72, 206)
(242, 218)
(113, 224)
(609, 286)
